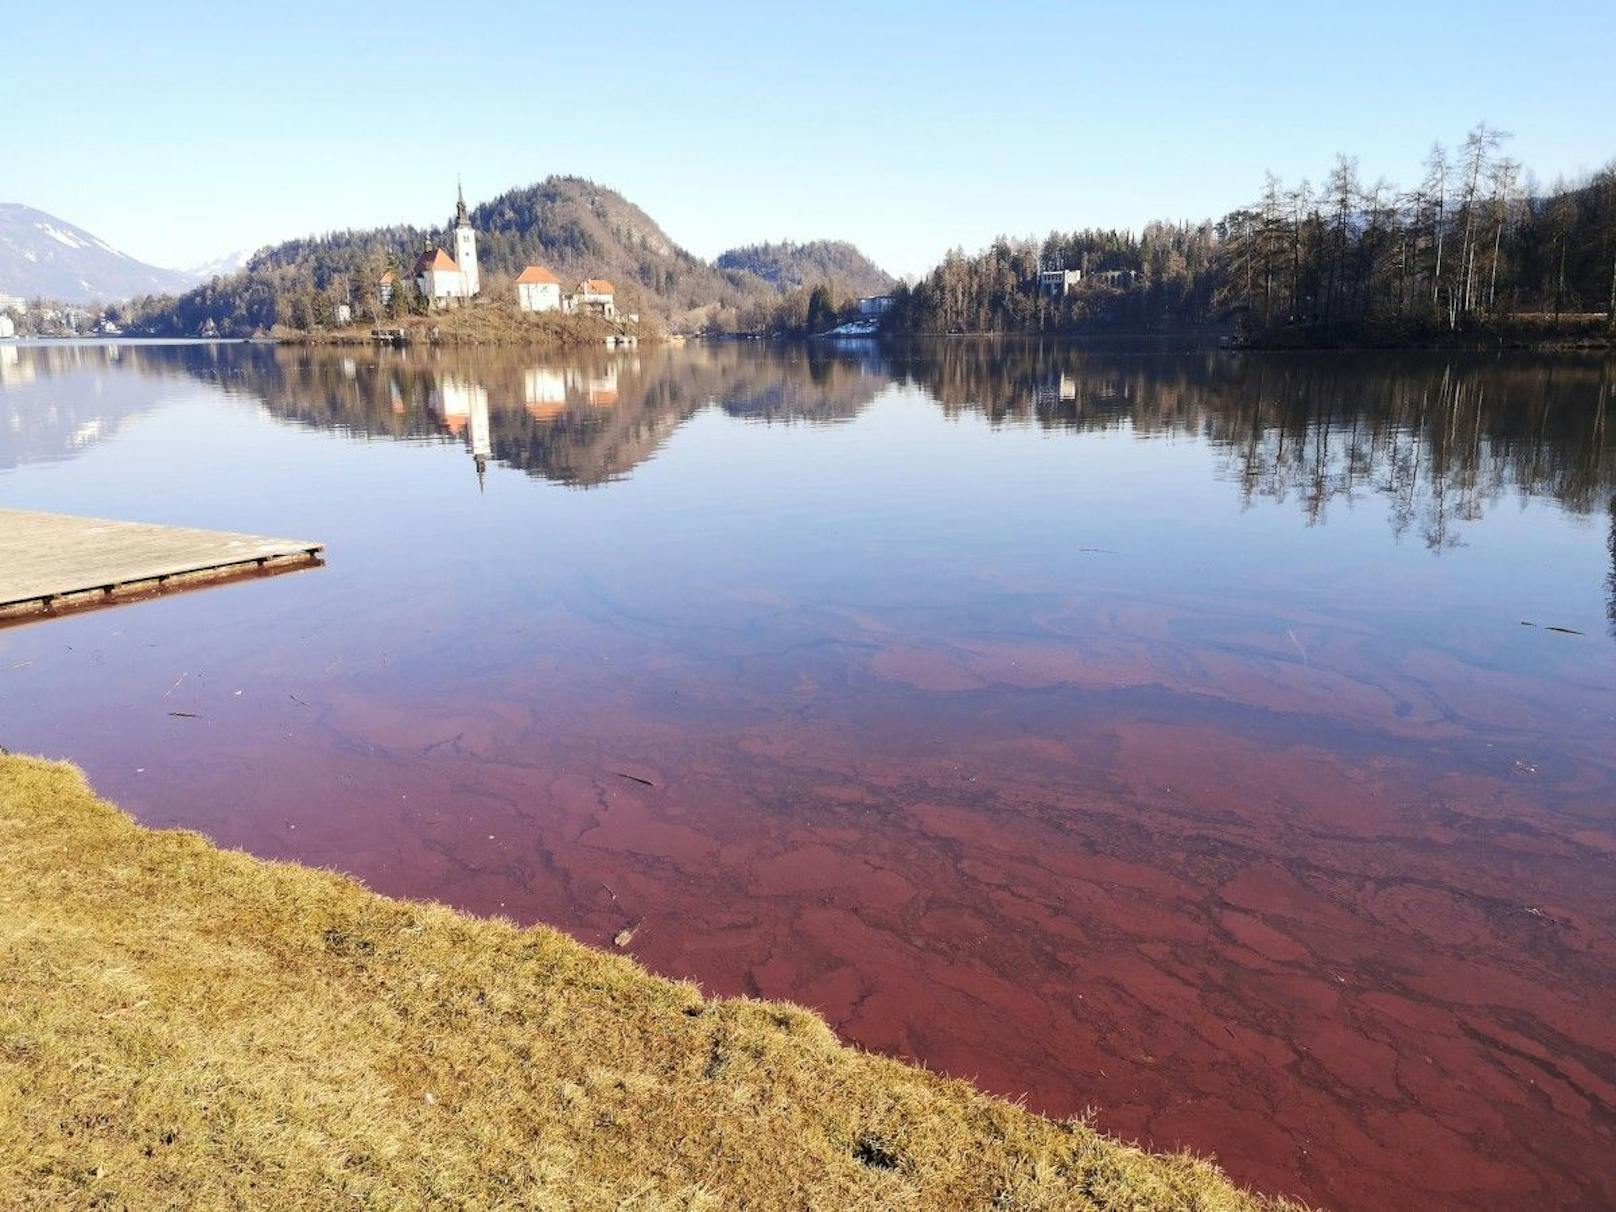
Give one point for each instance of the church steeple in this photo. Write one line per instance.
(465, 243)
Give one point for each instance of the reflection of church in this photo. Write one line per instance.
(462, 406)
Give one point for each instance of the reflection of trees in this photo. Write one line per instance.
(582, 417)
(1440, 438)
(1610, 577)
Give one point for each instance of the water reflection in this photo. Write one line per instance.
(1441, 439)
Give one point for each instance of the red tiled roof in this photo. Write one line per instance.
(537, 273)
(436, 258)
(595, 286)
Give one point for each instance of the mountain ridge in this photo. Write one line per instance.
(43, 256)
(790, 264)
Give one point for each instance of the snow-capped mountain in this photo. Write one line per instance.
(42, 256)
(220, 267)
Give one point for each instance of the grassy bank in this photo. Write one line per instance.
(183, 1026)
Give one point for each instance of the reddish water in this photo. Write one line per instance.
(1158, 734)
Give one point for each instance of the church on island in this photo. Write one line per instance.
(447, 281)
(453, 281)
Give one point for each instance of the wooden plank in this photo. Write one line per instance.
(50, 560)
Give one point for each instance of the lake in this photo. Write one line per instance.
(1222, 741)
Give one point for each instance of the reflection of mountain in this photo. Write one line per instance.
(1441, 437)
(57, 401)
(588, 418)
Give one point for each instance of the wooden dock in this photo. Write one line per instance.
(55, 561)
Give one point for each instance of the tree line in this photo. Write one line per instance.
(1476, 245)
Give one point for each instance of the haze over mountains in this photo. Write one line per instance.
(42, 256)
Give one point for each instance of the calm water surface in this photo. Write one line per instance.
(1184, 735)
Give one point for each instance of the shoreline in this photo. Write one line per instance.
(197, 1026)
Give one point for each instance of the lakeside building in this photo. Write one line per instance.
(873, 307)
(593, 294)
(444, 280)
(386, 287)
(439, 279)
(537, 289)
(8, 327)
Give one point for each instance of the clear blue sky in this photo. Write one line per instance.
(181, 131)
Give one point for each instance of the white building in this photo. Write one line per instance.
(1059, 282)
(465, 244)
(873, 307)
(446, 280)
(439, 279)
(537, 289)
(8, 327)
(593, 294)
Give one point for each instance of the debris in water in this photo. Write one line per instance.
(1552, 627)
(186, 715)
(625, 936)
(634, 778)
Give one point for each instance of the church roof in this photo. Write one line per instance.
(537, 273)
(436, 259)
(596, 286)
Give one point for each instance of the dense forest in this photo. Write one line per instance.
(790, 265)
(1477, 247)
(1164, 277)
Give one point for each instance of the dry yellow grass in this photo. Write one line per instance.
(187, 1027)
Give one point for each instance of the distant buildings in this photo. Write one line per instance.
(8, 327)
(873, 307)
(444, 280)
(593, 294)
(1058, 283)
(537, 289)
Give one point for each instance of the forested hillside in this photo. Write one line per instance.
(1476, 247)
(572, 226)
(789, 265)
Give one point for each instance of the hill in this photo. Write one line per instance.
(567, 224)
(42, 256)
(789, 265)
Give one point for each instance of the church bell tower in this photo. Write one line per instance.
(465, 246)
